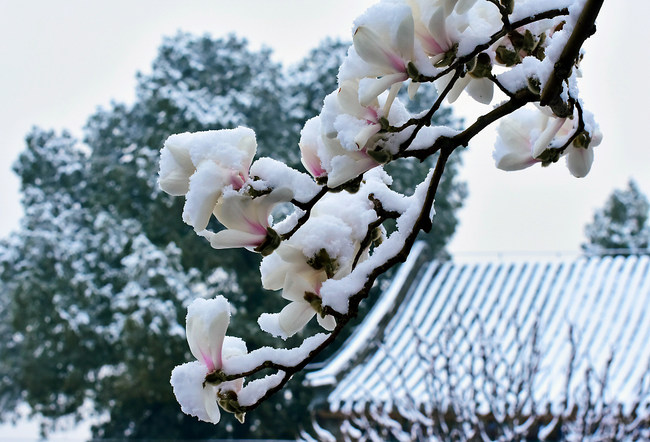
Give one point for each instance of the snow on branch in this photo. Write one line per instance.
(325, 256)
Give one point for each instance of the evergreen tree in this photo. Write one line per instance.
(621, 226)
(94, 285)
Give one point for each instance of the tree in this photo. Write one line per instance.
(95, 286)
(621, 227)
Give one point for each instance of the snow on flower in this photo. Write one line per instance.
(530, 136)
(347, 137)
(467, 30)
(323, 249)
(200, 165)
(339, 164)
(385, 52)
(206, 323)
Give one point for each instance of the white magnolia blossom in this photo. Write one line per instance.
(430, 26)
(246, 219)
(200, 165)
(384, 46)
(528, 136)
(478, 24)
(325, 248)
(287, 269)
(340, 143)
(334, 161)
(384, 38)
(206, 324)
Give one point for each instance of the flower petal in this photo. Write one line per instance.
(205, 189)
(579, 161)
(187, 384)
(206, 324)
(295, 316)
(328, 322)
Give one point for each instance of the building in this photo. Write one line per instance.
(532, 349)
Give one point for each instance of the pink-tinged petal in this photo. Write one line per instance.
(438, 41)
(309, 155)
(371, 49)
(206, 324)
(227, 239)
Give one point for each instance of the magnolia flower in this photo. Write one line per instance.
(347, 119)
(384, 41)
(477, 24)
(207, 321)
(430, 26)
(334, 161)
(522, 137)
(580, 154)
(324, 248)
(311, 147)
(200, 165)
(247, 219)
(346, 136)
(531, 136)
(287, 269)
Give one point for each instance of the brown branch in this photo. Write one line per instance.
(307, 209)
(494, 38)
(520, 99)
(584, 28)
(446, 146)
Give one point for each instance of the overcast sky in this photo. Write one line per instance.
(62, 59)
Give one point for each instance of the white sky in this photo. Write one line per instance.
(61, 59)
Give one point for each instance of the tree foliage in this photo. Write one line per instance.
(94, 287)
(621, 226)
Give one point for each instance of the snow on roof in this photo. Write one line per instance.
(469, 324)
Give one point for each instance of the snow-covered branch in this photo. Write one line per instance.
(325, 256)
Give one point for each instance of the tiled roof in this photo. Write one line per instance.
(520, 316)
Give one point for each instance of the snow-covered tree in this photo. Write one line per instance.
(621, 226)
(94, 285)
